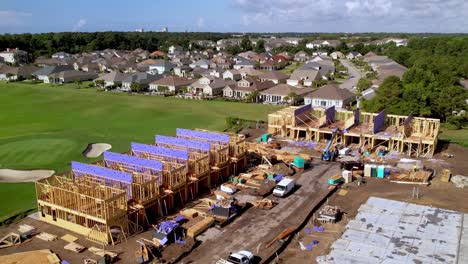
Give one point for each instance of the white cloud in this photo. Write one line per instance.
(12, 18)
(354, 15)
(200, 22)
(79, 25)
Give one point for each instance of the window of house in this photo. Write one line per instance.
(323, 103)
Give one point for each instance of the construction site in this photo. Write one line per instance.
(277, 194)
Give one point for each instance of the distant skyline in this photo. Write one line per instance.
(415, 16)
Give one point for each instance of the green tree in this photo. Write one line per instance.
(246, 44)
(163, 89)
(99, 83)
(292, 97)
(363, 84)
(260, 46)
(135, 87)
(253, 96)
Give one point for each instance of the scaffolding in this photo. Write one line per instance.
(94, 210)
(412, 136)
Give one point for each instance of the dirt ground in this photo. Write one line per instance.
(438, 194)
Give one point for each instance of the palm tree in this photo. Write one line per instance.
(292, 97)
(253, 96)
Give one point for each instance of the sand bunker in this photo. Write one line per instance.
(7, 175)
(95, 150)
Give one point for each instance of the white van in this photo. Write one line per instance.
(284, 187)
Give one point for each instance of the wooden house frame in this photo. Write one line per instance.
(83, 206)
(412, 136)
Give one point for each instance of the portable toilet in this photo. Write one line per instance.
(367, 170)
(381, 171)
(265, 137)
(374, 170)
(347, 176)
(299, 162)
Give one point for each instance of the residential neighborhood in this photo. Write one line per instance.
(210, 71)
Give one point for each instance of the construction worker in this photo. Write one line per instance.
(415, 168)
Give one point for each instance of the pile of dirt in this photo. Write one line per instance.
(95, 150)
(9, 176)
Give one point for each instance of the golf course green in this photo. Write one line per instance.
(45, 127)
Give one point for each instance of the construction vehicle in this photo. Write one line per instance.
(240, 257)
(330, 153)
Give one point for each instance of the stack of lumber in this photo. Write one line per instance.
(46, 236)
(26, 229)
(189, 213)
(102, 252)
(266, 204)
(72, 246)
(200, 227)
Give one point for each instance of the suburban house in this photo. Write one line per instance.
(244, 87)
(210, 85)
(279, 93)
(157, 53)
(113, 78)
(248, 54)
(205, 64)
(320, 53)
(14, 56)
(301, 56)
(249, 72)
(61, 55)
(161, 66)
(322, 43)
(273, 65)
(232, 75)
(170, 83)
(337, 55)
(16, 73)
(70, 76)
(42, 74)
(384, 66)
(293, 41)
(305, 75)
(175, 50)
(182, 71)
(353, 55)
(330, 95)
(274, 76)
(244, 63)
(143, 78)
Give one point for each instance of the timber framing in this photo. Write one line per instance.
(408, 135)
(85, 207)
(106, 201)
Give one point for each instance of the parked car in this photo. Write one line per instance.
(240, 257)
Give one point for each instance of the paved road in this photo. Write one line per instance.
(352, 71)
(255, 227)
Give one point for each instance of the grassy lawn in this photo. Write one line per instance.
(455, 136)
(45, 127)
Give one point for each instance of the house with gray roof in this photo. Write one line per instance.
(330, 95)
(161, 66)
(70, 76)
(113, 78)
(243, 63)
(42, 74)
(305, 75)
(143, 78)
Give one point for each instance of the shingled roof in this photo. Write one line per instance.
(173, 81)
(333, 92)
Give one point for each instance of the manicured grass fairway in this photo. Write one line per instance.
(45, 127)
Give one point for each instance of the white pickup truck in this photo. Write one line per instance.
(240, 257)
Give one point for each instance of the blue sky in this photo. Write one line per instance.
(18, 16)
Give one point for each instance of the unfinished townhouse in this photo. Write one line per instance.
(408, 135)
